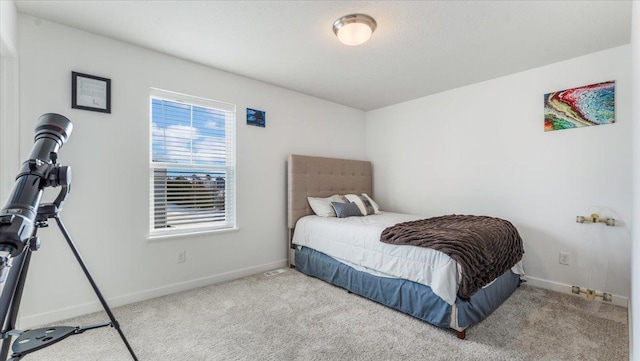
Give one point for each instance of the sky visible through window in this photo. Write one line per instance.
(186, 134)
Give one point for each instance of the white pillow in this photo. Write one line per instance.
(322, 206)
(366, 205)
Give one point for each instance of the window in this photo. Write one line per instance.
(192, 164)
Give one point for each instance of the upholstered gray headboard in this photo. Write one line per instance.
(323, 177)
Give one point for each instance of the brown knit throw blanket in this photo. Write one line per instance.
(484, 247)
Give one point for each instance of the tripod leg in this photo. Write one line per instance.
(115, 323)
(11, 297)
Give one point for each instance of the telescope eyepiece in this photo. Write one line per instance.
(54, 126)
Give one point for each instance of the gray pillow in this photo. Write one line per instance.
(344, 210)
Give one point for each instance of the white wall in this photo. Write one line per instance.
(481, 149)
(8, 27)
(634, 310)
(9, 122)
(107, 211)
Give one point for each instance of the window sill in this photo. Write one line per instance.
(162, 237)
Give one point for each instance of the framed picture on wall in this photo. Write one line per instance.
(256, 117)
(580, 107)
(90, 92)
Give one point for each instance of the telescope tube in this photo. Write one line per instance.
(19, 213)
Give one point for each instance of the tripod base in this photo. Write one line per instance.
(34, 340)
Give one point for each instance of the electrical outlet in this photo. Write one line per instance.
(564, 258)
(182, 256)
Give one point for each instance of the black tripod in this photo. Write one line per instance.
(33, 340)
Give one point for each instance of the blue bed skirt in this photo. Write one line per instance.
(406, 296)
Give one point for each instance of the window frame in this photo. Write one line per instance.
(230, 218)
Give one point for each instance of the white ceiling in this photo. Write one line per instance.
(419, 48)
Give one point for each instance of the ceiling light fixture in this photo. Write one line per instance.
(354, 29)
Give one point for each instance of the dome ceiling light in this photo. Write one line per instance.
(354, 29)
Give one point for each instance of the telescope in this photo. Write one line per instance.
(20, 219)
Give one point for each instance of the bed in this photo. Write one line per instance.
(347, 252)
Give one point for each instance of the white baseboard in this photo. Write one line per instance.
(565, 288)
(29, 321)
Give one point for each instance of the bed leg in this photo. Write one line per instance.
(462, 334)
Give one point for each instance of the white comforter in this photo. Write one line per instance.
(355, 241)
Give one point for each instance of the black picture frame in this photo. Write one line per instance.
(90, 92)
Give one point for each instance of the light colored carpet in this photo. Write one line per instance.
(294, 317)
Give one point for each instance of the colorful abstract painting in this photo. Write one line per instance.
(580, 107)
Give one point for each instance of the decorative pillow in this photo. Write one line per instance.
(344, 210)
(366, 205)
(322, 206)
(376, 208)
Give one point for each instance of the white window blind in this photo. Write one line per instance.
(192, 164)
